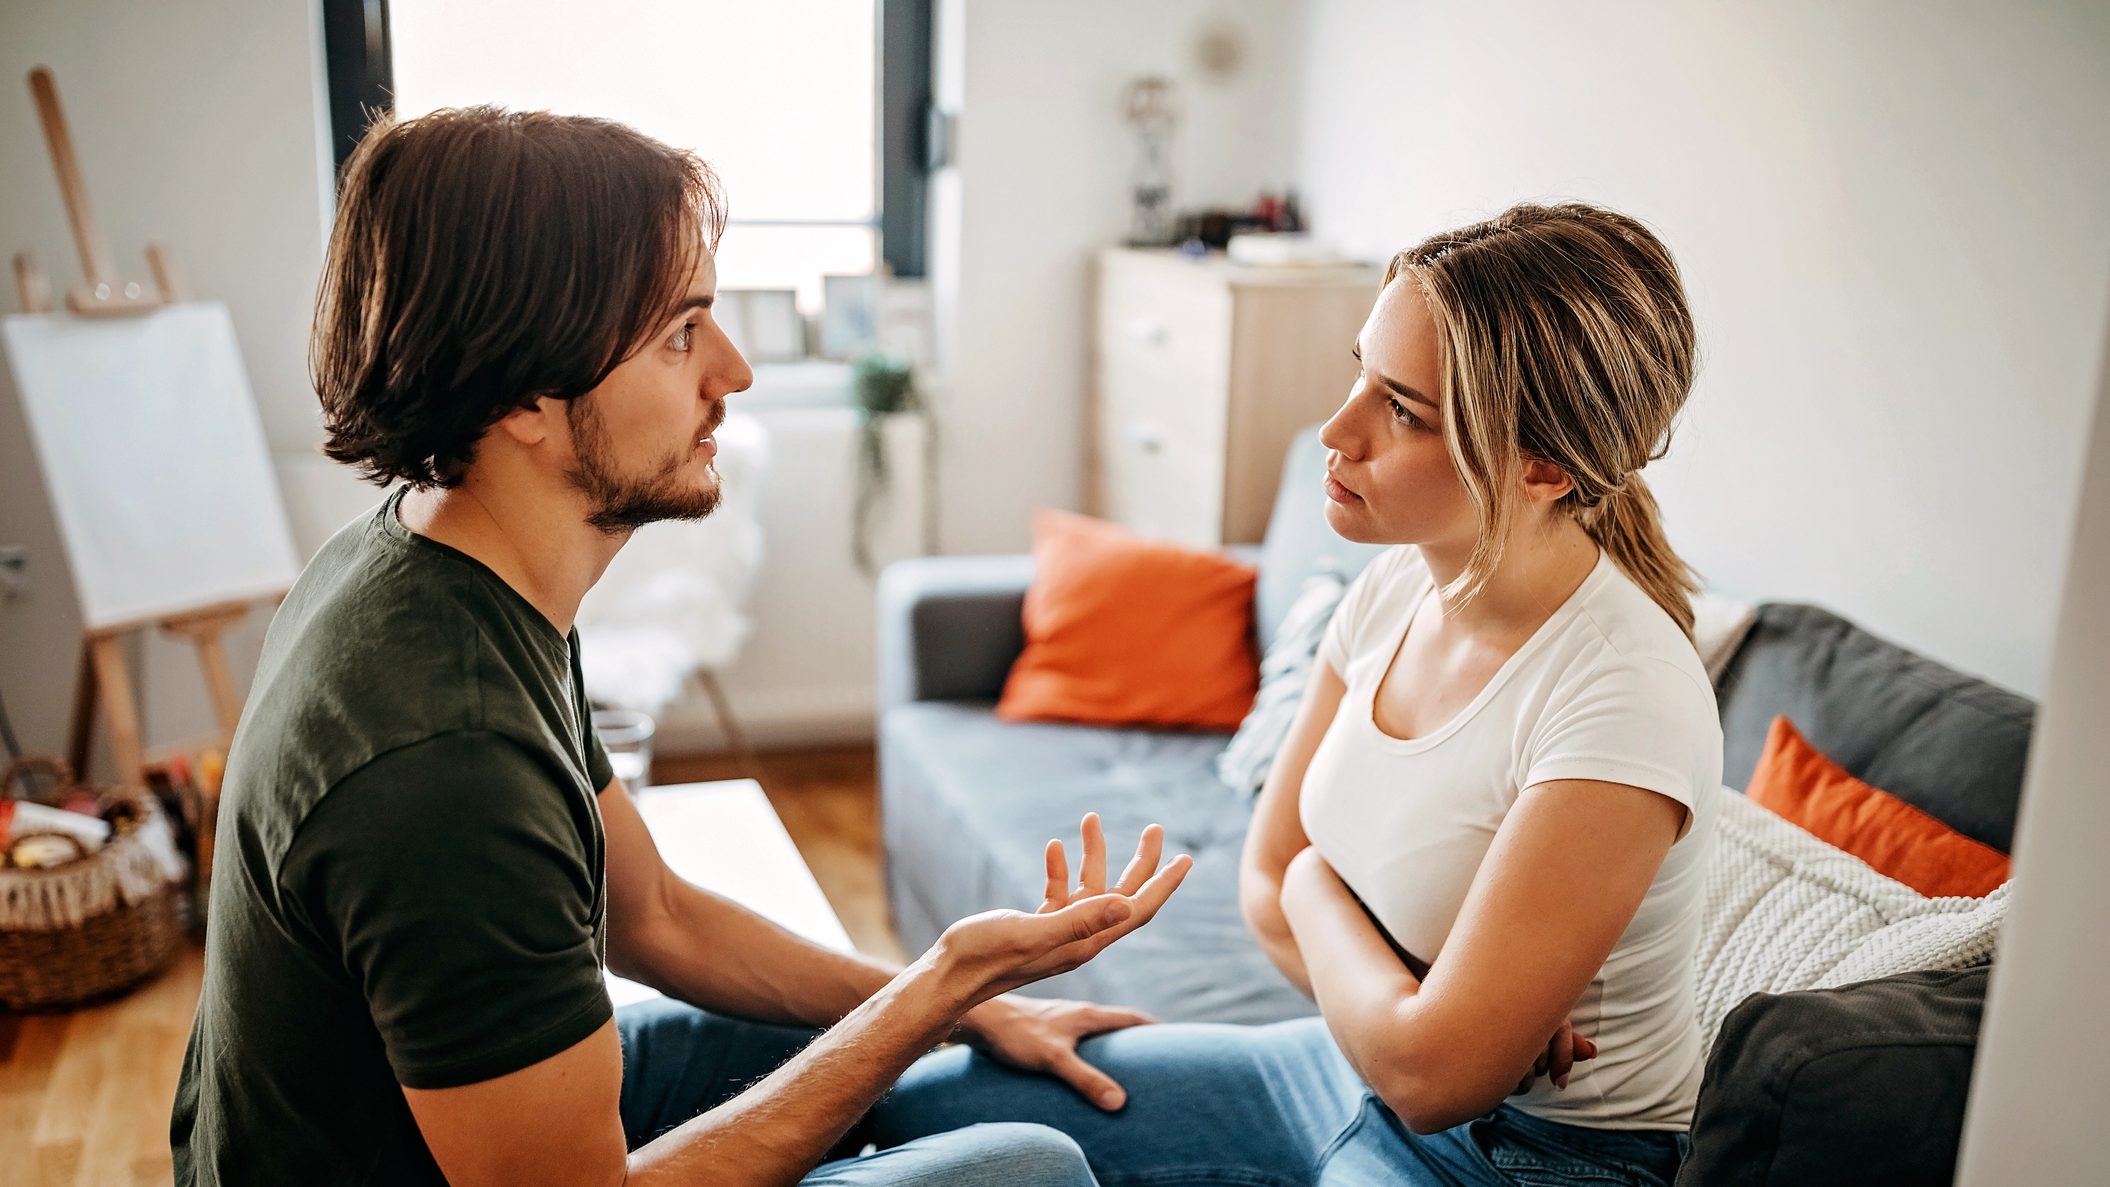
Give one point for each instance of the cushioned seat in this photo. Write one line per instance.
(971, 800)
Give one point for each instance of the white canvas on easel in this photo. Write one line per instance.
(155, 460)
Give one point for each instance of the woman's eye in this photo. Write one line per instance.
(683, 336)
(1400, 414)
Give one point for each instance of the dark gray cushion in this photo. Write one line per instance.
(950, 626)
(1298, 541)
(1861, 1086)
(969, 801)
(1945, 742)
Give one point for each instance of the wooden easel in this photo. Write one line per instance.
(105, 679)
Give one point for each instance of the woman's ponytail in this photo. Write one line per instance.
(1627, 524)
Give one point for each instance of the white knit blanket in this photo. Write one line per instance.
(1786, 911)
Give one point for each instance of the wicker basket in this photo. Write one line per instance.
(91, 926)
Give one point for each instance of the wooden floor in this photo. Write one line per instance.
(85, 1094)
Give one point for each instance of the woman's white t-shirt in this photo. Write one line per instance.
(1607, 689)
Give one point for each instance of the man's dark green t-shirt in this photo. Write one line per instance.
(409, 887)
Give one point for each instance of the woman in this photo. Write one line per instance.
(1481, 849)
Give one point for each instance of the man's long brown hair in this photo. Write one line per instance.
(484, 258)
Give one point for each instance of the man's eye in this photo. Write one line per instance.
(683, 336)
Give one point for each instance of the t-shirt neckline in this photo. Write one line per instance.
(1458, 721)
(392, 527)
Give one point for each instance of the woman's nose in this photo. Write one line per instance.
(1337, 433)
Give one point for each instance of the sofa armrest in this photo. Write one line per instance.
(949, 627)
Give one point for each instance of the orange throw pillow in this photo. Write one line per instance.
(1797, 782)
(1121, 630)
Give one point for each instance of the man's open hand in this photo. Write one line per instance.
(998, 951)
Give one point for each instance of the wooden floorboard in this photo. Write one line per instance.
(85, 1094)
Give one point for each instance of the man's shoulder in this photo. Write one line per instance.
(379, 651)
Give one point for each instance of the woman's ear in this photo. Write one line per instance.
(1544, 481)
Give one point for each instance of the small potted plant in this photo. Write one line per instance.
(883, 385)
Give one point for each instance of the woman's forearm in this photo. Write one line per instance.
(1260, 900)
(1369, 998)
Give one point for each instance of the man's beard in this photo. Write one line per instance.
(622, 503)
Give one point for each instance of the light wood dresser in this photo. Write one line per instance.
(1202, 370)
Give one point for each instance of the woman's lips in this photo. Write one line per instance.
(1339, 493)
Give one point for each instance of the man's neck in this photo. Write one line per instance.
(537, 540)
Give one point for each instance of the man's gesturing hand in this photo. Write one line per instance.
(998, 951)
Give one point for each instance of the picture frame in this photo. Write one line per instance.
(764, 323)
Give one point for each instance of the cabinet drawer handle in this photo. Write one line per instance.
(1148, 438)
(1150, 333)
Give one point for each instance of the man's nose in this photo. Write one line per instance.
(734, 375)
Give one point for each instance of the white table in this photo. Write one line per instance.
(726, 838)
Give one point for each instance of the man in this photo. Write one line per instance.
(424, 859)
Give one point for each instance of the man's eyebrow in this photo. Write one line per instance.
(695, 301)
(1395, 386)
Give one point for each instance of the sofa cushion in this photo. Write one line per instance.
(1858, 1086)
(1946, 743)
(1299, 543)
(969, 801)
(1804, 787)
(1785, 911)
(1125, 630)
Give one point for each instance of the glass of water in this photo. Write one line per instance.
(626, 735)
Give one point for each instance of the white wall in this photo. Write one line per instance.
(2041, 1087)
(805, 676)
(1043, 167)
(198, 125)
(1891, 219)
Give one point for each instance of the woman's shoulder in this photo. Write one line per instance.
(1396, 576)
(1627, 629)
(1389, 585)
(1397, 572)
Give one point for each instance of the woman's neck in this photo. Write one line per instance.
(1542, 566)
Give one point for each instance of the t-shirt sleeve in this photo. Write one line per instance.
(599, 771)
(1641, 722)
(1344, 630)
(455, 880)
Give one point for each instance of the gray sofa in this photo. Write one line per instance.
(967, 800)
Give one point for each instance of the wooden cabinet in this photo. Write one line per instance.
(1202, 370)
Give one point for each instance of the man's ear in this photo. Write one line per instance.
(535, 423)
(1544, 481)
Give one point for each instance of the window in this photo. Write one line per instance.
(779, 97)
(814, 112)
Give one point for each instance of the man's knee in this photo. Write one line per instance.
(1025, 1154)
(992, 1154)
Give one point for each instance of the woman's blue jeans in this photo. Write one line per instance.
(1259, 1106)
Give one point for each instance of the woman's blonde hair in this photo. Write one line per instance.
(1565, 337)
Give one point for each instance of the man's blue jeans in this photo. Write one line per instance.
(679, 1061)
(1266, 1106)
